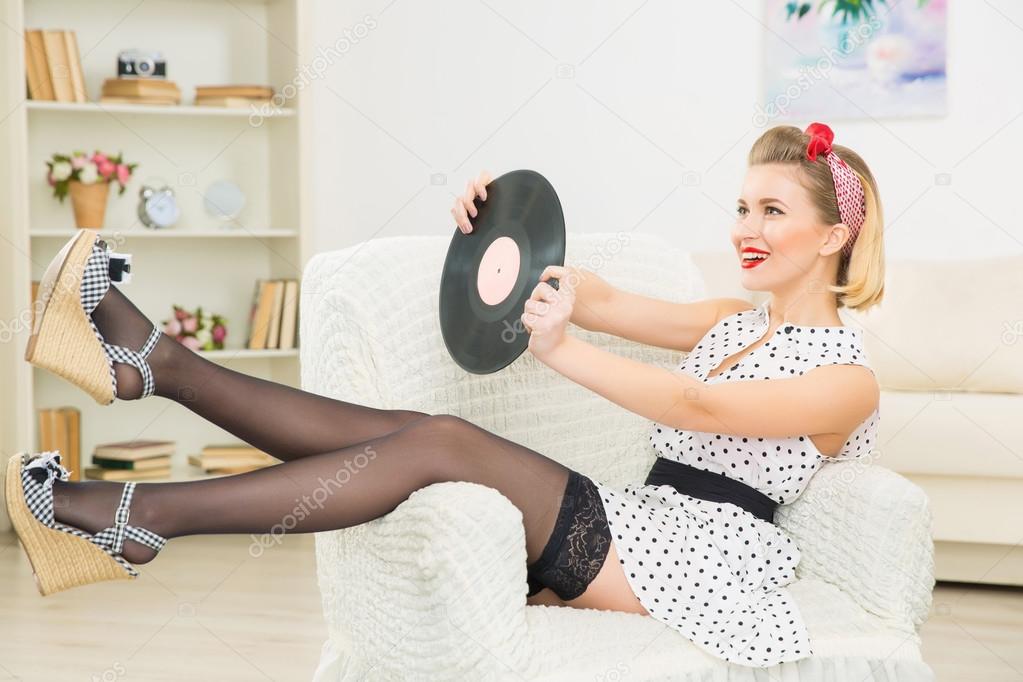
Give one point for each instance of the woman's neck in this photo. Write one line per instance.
(804, 308)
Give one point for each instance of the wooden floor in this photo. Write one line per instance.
(207, 610)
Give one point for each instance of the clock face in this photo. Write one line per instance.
(162, 210)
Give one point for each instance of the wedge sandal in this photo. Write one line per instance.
(62, 556)
(64, 338)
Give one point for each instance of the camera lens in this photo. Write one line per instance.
(144, 66)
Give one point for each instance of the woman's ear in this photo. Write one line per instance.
(837, 234)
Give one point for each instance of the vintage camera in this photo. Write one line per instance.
(139, 64)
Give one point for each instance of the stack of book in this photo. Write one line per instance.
(273, 321)
(60, 429)
(134, 460)
(230, 459)
(53, 66)
(140, 91)
(232, 95)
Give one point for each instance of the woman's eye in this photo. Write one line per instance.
(773, 208)
(741, 210)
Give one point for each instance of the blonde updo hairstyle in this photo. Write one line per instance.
(860, 280)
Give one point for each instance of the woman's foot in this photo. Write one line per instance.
(90, 506)
(42, 509)
(122, 324)
(88, 333)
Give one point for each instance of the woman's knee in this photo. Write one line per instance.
(445, 443)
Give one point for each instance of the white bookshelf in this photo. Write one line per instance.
(200, 260)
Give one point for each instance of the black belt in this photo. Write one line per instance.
(708, 485)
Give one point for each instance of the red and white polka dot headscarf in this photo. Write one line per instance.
(852, 205)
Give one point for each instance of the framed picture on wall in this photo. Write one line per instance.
(854, 59)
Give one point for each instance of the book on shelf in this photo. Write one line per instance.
(133, 450)
(274, 315)
(231, 459)
(140, 91)
(53, 66)
(75, 59)
(60, 429)
(37, 72)
(100, 474)
(249, 92)
(158, 462)
(289, 316)
(229, 102)
(134, 460)
(273, 332)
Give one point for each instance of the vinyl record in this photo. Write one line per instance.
(490, 273)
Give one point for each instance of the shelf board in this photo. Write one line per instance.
(173, 233)
(156, 109)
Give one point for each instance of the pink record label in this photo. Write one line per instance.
(499, 269)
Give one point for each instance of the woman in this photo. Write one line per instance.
(765, 396)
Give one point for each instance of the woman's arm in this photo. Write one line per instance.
(832, 399)
(601, 307)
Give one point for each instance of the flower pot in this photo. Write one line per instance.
(89, 203)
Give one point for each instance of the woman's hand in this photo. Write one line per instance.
(548, 310)
(464, 207)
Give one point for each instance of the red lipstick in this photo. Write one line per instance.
(749, 260)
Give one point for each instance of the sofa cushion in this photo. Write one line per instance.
(948, 326)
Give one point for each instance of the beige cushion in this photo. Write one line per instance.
(948, 326)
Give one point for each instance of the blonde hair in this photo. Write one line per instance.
(860, 282)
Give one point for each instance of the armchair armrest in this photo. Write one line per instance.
(867, 530)
(440, 581)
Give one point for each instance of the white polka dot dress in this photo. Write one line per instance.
(712, 570)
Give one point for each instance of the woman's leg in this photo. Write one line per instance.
(333, 490)
(280, 420)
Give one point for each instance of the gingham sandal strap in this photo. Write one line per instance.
(137, 359)
(114, 537)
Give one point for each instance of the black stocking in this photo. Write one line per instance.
(334, 490)
(280, 420)
(346, 463)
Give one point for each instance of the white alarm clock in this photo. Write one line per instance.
(157, 207)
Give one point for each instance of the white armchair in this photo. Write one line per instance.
(437, 588)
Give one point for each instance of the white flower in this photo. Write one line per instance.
(61, 171)
(204, 336)
(89, 174)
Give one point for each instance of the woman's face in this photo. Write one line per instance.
(774, 214)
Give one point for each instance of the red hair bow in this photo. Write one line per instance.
(821, 137)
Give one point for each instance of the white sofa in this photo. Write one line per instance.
(437, 588)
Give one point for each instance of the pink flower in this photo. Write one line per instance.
(106, 168)
(190, 324)
(99, 158)
(123, 173)
(190, 342)
(180, 313)
(78, 161)
(219, 333)
(49, 179)
(172, 327)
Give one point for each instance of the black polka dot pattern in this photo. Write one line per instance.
(712, 570)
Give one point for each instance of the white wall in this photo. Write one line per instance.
(656, 90)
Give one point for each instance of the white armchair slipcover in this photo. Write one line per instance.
(437, 588)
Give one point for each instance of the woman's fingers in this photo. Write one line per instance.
(461, 219)
(481, 185)
(545, 292)
(467, 198)
(464, 207)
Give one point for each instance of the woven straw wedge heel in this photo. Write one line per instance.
(61, 556)
(64, 339)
